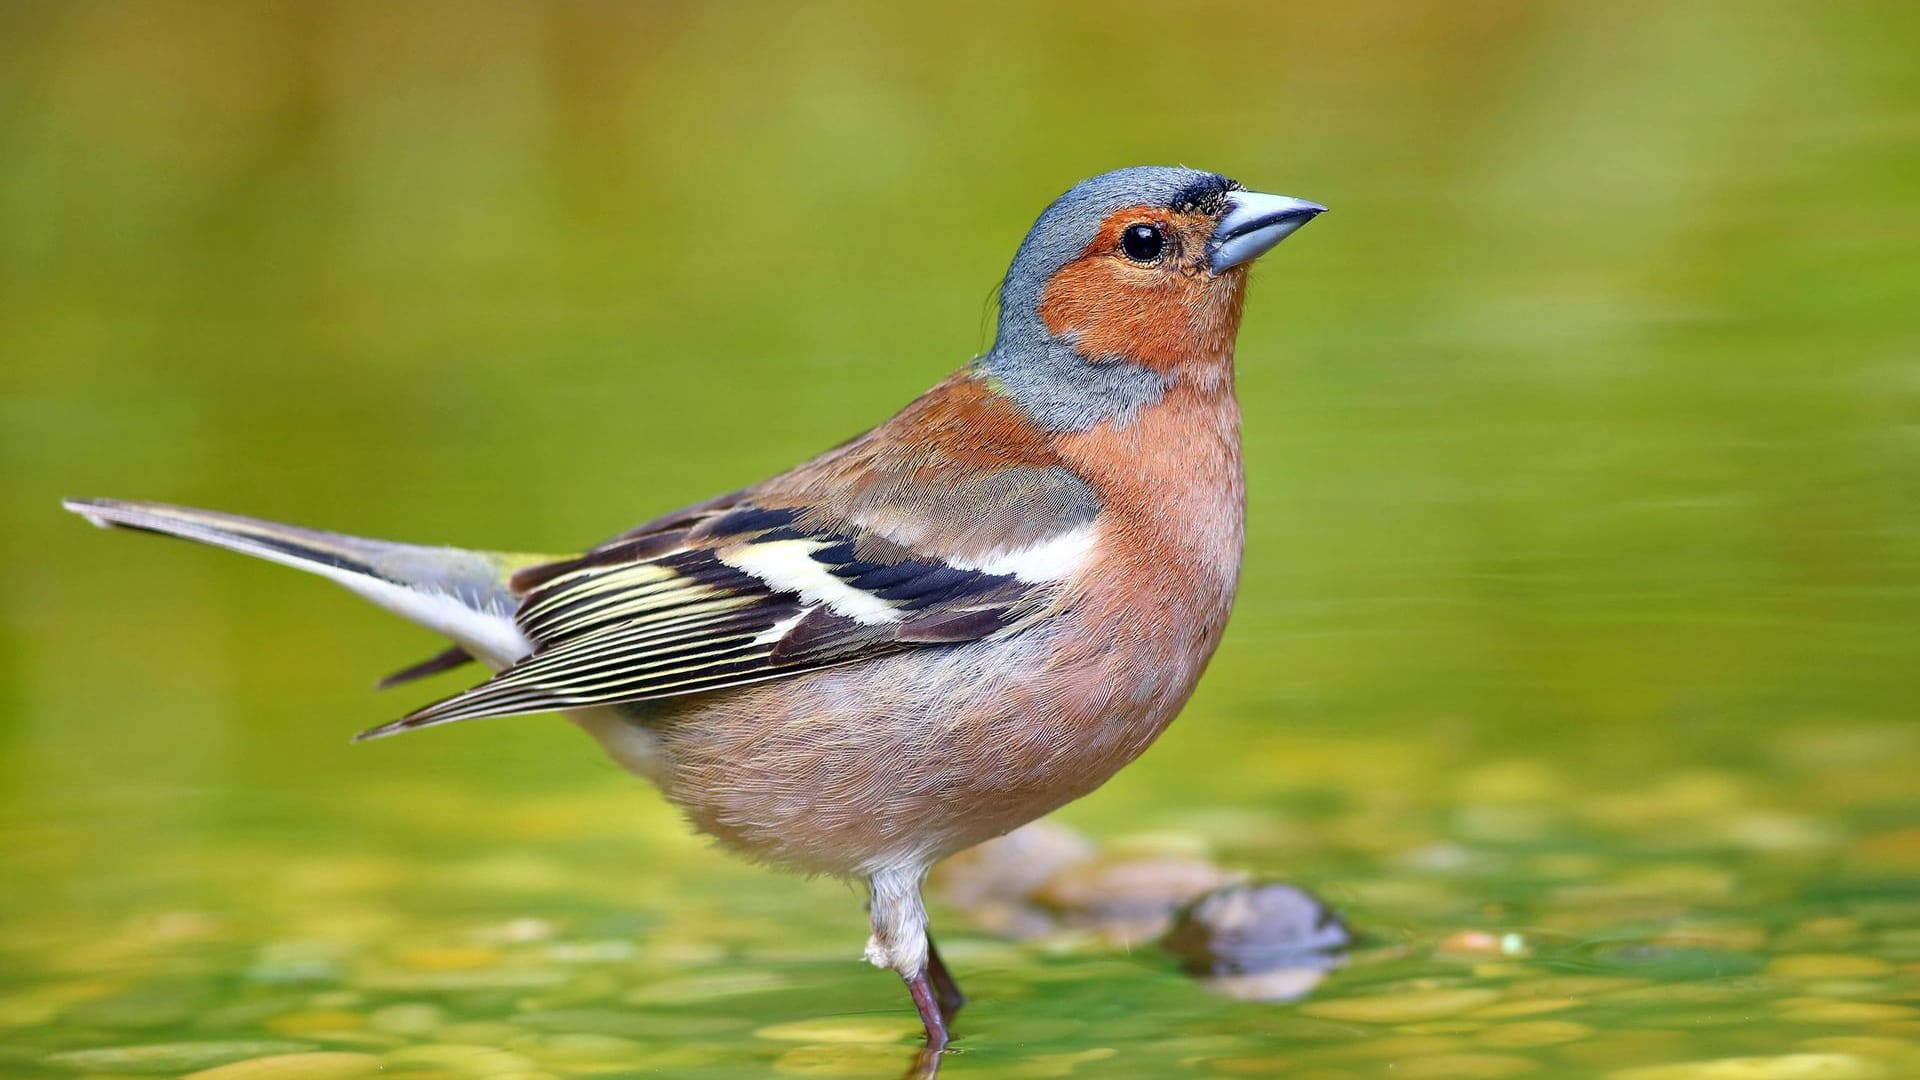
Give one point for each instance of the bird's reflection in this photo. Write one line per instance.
(925, 1066)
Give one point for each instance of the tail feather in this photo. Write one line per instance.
(461, 594)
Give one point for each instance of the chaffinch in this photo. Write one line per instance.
(923, 638)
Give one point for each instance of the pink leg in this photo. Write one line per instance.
(931, 1017)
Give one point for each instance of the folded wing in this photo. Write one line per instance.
(954, 521)
(747, 594)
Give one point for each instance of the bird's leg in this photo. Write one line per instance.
(900, 943)
(945, 990)
(932, 1016)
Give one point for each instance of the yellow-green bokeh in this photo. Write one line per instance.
(1582, 434)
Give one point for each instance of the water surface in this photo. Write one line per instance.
(1583, 574)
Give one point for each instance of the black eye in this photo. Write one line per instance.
(1142, 243)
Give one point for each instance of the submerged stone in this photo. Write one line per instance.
(1131, 889)
(1013, 867)
(1259, 942)
(1402, 1008)
(1284, 984)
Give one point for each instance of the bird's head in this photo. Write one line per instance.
(1132, 277)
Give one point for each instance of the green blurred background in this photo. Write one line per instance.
(1583, 440)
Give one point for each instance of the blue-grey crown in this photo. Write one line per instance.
(1058, 387)
(1063, 230)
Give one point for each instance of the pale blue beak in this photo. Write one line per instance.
(1253, 223)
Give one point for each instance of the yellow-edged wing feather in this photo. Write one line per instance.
(750, 597)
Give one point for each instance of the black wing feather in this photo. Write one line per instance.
(670, 614)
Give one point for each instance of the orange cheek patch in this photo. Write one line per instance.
(1162, 315)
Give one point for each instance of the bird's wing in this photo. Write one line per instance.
(949, 523)
(751, 594)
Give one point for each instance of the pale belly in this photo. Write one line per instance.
(903, 759)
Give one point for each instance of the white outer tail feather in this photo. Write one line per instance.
(460, 594)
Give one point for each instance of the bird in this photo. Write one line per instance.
(925, 637)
